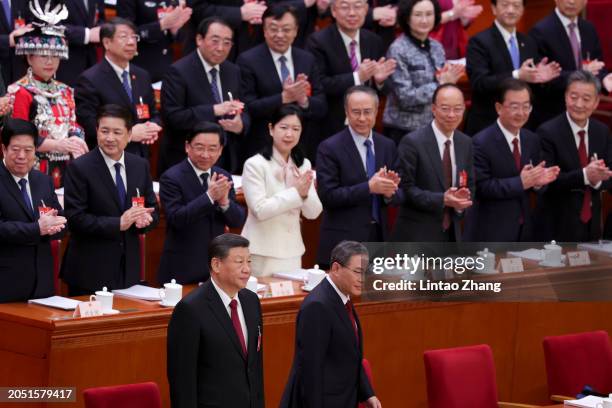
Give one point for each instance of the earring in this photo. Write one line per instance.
(29, 73)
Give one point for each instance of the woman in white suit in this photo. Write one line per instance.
(278, 187)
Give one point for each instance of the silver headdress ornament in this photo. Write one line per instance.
(48, 37)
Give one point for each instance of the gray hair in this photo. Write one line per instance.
(343, 252)
(584, 77)
(331, 2)
(360, 88)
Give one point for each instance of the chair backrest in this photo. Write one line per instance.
(142, 395)
(368, 370)
(576, 360)
(462, 377)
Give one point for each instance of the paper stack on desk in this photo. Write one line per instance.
(602, 246)
(300, 275)
(590, 401)
(58, 302)
(139, 292)
(532, 254)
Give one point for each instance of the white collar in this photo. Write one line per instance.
(344, 298)
(117, 68)
(225, 299)
(359, 139)
(565, 20)
(508, 134)
(275, 55)
(574, 126)
(17, 178)
(110, 163)
(207, 66)
(441, 137)
(346, 39)
(199, 171)
(505, 33)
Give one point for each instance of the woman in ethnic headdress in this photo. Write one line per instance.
(39, 98)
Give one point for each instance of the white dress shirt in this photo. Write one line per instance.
(289, 63)
(207, 68)
(510, 137)
(575, 129)
(225, 299)
(506, 36)
(441, 139)
(17, 178)
(344, 298)
(347, 44)
(119, 71)
(361, 148)
(566, 21)
(110, 164)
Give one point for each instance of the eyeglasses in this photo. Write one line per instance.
(345, 7)
(202, 149)
(516, 108)
(224, 42)
(457, 110)
(280, 30)
(364, 112)
(126, 37)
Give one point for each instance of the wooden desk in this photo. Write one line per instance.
(46, 347)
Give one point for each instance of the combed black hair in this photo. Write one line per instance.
(18, 127)
(297, 154)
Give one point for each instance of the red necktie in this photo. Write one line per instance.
(585, 212)
(447, 171)
(349, 309)
(237, 326)
(517, 161)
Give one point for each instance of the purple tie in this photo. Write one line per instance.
(7, 12)
(575, 44)
(354, 62)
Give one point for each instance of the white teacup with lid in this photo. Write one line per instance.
(314, 277)
(171, 294)
(552, 254)
(105, 298)
(488, 259)
(252, 283)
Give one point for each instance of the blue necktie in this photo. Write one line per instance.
(125, 76)
(204, 177)
(514, 53)
(283, 68)
(25, 195)
(120, 186)
(214, 86)
(7, 12)
(371, 170)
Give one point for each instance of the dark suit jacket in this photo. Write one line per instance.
(192, 222)
(99, 254)
(262, 90)
(553, 42)
(327, 370)
(13, 67)
(342, 184)
(187, 99)
(335, 68)
(26, 264)
(500, 200)
(420, 217)
(82, 56)
(206, 367)
(154, 49)
(100, 85)
(488, 63)
(563, 198)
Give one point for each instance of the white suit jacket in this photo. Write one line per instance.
(273, 222)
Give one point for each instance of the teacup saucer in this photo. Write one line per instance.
(307, 288)
(551, 265)
(110, 312)
(164, 304)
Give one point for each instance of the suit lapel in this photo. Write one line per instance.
(500, 44)
(505, 153)
(80, 5)
(190, 177)
(107, 179)
(269, 65)
(113, 80)
(35, 189)
(378, 151)
(131, 175)
(344, 57)
(353, 153)
(431, 146)
(564, 44)
(4, 21)
(227, 84)
(340, 310)
(221, 314)
(14, 189)
(570, 144)
(251, 320)
(200, 72)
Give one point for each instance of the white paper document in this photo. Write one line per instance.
(590, 401)
(58, 302)
(603, 246)
(532, 254)
(300, 275)
(139, 292)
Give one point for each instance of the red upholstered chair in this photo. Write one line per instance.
(143, 395)
(576, 360)
(462, 377)
(368, 370)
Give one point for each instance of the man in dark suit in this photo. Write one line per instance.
(437, 174)
(356, 178)
(114, 80)
(565, 37)
(215, 353)
(276, 73)
(348, 55)
(199, 202)
(188, 96)
(582, 147)
(26, 264)
(497, 53)
(327, 369)
(158, 22)
(13, 25)
(507, 168)
(82, 33)
(104, 218)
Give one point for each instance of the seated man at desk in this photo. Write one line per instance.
(26, 264)
(104, 209)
